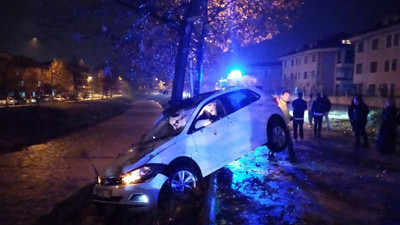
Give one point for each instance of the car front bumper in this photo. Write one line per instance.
(141, 196)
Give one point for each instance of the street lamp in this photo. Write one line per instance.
(89, 79)
(33, 48)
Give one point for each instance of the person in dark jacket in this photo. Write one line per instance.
(386, 142)
(299, 106)
(327, 107)
(358, 115)
(310, 114)
(318, 113)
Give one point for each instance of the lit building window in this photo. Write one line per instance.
(346, 42)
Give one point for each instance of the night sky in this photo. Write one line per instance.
(318, 18)
(321, 18)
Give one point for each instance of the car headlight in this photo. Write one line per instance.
(141, 174)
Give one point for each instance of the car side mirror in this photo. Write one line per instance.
(202, 123)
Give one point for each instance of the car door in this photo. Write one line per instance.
(245, 118)
(211, 136)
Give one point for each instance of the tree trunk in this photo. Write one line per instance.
(183, 51)
(180, 68)
(200, 51)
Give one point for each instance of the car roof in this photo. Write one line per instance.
(196, 100)
(188, 102)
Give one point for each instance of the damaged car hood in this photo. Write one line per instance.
(136, 157)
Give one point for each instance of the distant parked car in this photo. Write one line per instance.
(27, 100)
(45, 98)
(30, 100)
(8, 100)
(58, 98)
(190, 141)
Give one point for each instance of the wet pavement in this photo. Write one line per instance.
(37, 178)
(332, 183)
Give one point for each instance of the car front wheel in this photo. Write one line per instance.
(277, 134)
(182, 182)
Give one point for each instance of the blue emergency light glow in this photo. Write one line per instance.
(235, 75)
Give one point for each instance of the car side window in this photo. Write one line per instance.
(214, 111)
(210, 113)
(239, 99)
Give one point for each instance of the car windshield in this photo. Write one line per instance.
(169, 124)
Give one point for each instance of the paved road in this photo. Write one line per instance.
(37, 178)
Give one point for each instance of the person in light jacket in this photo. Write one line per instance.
(283, 102)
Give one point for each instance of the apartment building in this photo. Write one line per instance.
(377, 55)
(324, 66)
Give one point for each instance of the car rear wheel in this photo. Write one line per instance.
(277, 134)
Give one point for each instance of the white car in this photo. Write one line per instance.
(58, 98)
(189, 142)
(7, 101)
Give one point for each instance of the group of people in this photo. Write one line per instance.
(358, 111)
(358, 115)
(317, 110)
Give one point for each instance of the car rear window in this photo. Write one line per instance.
(239, 99)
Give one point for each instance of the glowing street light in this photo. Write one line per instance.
(89, 79)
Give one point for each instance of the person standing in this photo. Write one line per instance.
(327, 107)
(310, 114)
(358, 115)
(299, 106)
(386, 142)
(318, 113)
(283, 102)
